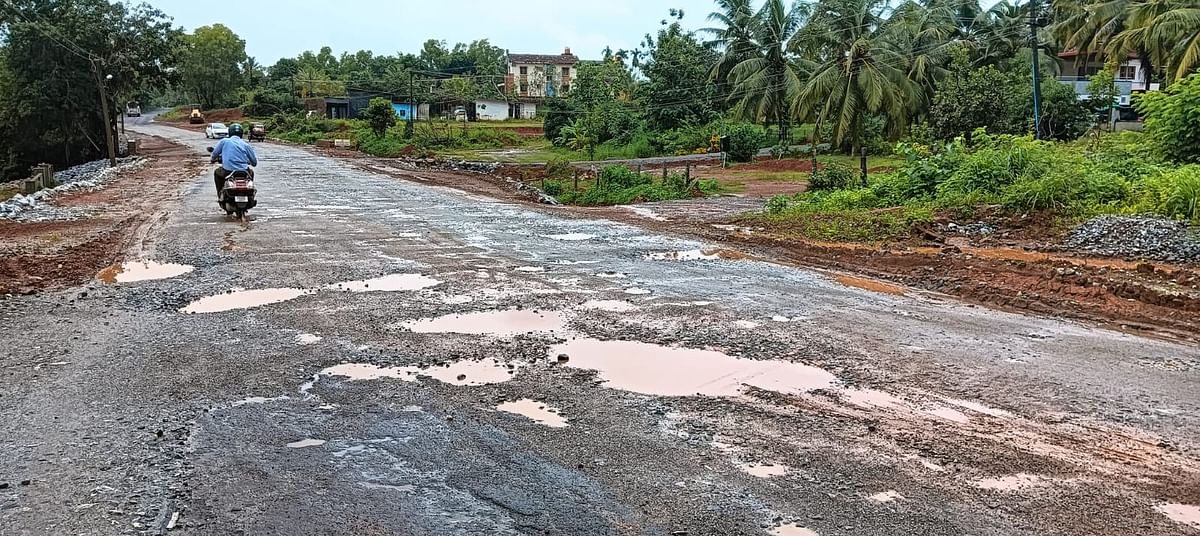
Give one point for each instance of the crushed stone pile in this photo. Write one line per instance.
(34, 208)
(1139, 237)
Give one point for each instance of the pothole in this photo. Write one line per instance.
(793, 530)
(571, 237)
(536, 411)
(243, 299)
(503, 323)
(305, 443)
(1187, 514)
(129, 272)
(307, 338)
(669, 371)
(615, 306)
(387, 283)
(764, 470)
(483, 372)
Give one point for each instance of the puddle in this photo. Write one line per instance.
(977, 407)
(482, 372)
(869, 284)
(303, 443)
(793, 530)
(646, 213)
(871, 398)
(745, 324)
(1010, 483)
(1181, 513)
(132, 271)
(307, 338)
(258, 400)
(764, 470)
(243, 299)
(573, 237)
(663, 370)
(885, 496)
(616, 306)
(949, 414)
(636, 291)
(457, 299)
(387, 283)
(498, 323)
(688, 255)
(536, 411)
(531, 269)
(610, 275)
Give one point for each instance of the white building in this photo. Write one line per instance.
(1130, 75)
(533, 77)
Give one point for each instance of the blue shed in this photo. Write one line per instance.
(404, 110)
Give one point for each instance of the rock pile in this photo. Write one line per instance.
(1139, 237)
(33, 207)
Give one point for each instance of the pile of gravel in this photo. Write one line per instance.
(1139, 237)
(33, 207)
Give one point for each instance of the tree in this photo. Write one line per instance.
(579, 136)
(678, 91)
(1173, 119)
(379, 115)
(734, 38)
(52, 60)
(765, 85)
(859, 71)
(978, 98)
(211, 64)
(1102, 90)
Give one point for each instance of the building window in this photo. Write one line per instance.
(1127, 72)
(403, 113)
(524, 87)
(566, 72)
(524, 70)
(566, 88)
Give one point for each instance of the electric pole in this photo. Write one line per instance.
(412, 100)
(108, 126)
(1035, 23)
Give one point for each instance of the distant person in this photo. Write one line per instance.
(234, 154)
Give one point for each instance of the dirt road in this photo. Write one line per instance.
(376, 356)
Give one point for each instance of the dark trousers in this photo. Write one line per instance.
(220, 174)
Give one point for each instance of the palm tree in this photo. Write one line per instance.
(859, 70)
(764, 85)
(925, 35)
(1166, 32)
(734, 38)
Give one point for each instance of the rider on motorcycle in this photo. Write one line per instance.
(234, 154)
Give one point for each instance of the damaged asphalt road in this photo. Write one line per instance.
(375, 356)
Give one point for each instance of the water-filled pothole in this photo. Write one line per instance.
(243, 299)
(763, 470)
(304, 443)
(132, 271)
(536, 411)
(669, 371)
(387, 283)
(486, 371)
(502, 323)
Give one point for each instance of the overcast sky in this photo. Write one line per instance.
(278, 28)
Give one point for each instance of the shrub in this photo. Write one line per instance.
(379, 115)
(1175, 193)
(558, 167)
(777, 204)
(1173, 119)
(553, 188)
(834, 176)
(744, 141)
(621, 177)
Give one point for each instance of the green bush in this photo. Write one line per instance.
(621, 177)
(379, 115)
(1173, 119)
(745, 140)
(1175, 193)
(559, 167)
(777, 204)
(834, 176)
(553, 188)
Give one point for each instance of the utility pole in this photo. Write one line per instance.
(108, 126)
(1035, 23)
(412, 99)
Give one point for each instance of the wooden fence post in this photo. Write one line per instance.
(664, 180)
(576, 179)
(863, 164)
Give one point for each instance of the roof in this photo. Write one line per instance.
(544, 59)
(1071, 53)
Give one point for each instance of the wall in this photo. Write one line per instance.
(536, 78)
(490, 110)
(403, 110)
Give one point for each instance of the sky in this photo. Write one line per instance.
(275, 29)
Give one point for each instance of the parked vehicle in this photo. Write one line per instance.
(196, 117)
(237, 195)
(216, 131)
(258, 132)
(133, 110)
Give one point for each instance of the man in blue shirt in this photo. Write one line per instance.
(234, 154)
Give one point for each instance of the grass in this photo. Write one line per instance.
(889, 161)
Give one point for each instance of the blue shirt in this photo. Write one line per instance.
(235, 154)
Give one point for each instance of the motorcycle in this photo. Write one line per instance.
(237, 195)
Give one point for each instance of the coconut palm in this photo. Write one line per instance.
(859, 70)
(734, 37)
(763, 86)
(1165, 31)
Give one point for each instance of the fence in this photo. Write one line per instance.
(42, 176)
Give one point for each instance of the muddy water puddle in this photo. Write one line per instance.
(885, 496)
(793, 530)
(307, 338)
(132, 271)
(243, 299)
(764, 470)
(483, 372)
(615, 306)
(1011, 482)
(1187, 514)
(872, 285)
(571, 237)
(536, 411)
(305, 443)
(387, 283)
(502, 323)
(669, 371)
(696, 255)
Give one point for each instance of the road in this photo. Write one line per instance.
(375, 356)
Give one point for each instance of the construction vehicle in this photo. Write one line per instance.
(195, 117)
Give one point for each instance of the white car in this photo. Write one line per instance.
(216, 131)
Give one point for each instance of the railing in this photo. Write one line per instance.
(1080, 84)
